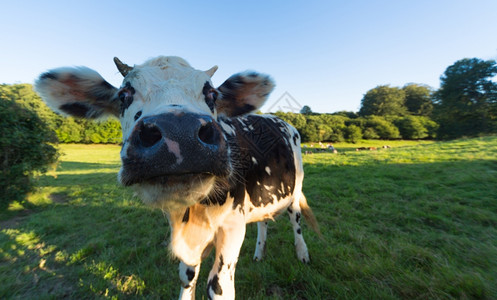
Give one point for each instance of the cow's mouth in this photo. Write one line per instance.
(165, 179)
(170, 192)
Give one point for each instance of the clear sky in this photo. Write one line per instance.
(325, 54)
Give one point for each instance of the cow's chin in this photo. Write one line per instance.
(175, 192)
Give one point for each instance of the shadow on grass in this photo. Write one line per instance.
(79, 173)
(95, 246)
(391, 230)
(74, 166)
(65, 180)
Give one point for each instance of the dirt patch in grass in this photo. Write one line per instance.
(58, 198)
(14, 221)
(20, 216)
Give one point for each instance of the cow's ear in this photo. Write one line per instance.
(79, 92)
(243, 93)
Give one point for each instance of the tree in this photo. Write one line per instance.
(383, 128)
(336, 125)
(383, 100)
(353, 134)
(466, 103)
(348, 114)
(411, 128)
(418, 99)
(306, 110)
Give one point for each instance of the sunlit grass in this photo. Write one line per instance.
(416, 221)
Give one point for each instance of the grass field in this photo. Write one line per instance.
(417, 221)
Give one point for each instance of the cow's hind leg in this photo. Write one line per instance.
(260, 247)
(188, 276)
(295, 214)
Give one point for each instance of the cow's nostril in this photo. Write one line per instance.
(208, 134)
(149, 135)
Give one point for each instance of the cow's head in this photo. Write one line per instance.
(174, 150)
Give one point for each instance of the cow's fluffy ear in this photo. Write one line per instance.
(243, 93)
(79, 92)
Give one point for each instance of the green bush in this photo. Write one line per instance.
(353, 134)
(383, 128)
(370, 134)
(411, 128)
(26, 146)
(102, 132)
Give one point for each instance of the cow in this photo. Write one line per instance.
(197, 153)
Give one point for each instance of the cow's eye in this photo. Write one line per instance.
(138, 115)
(212, 95)
(123, 95)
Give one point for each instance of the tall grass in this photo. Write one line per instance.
(417, 221)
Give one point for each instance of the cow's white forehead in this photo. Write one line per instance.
(166, 80)
(160, 82)
(162, 71)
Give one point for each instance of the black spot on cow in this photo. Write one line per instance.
(290, 210)
(76, 109)
(221, 263)
(126, 97)
(297, 218)
(210, 95)
(295, 138)
(241, 110)
(107, 85)
(138, 115)
(190, 274)
(213, 285)
(228, 86)
(299, 231)
(48, 75)
(128, 86)
(186, 216)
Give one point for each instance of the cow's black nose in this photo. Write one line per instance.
(173, 143)
(149, 134)
(208, 134)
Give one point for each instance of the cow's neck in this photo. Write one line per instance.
(193, 230)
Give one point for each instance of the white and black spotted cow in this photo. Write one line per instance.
(196, 152)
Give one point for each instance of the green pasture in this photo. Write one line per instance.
(416, 221)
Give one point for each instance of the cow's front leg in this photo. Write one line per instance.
(188, 276)
(228, 241)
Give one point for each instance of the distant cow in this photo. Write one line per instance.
(365, 148)
(195, 152)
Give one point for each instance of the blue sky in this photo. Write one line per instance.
(325, 54)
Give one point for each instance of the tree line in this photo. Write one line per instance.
(386, 113)
(465, 105)
(350, 127)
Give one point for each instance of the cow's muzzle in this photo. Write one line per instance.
(169, 147)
